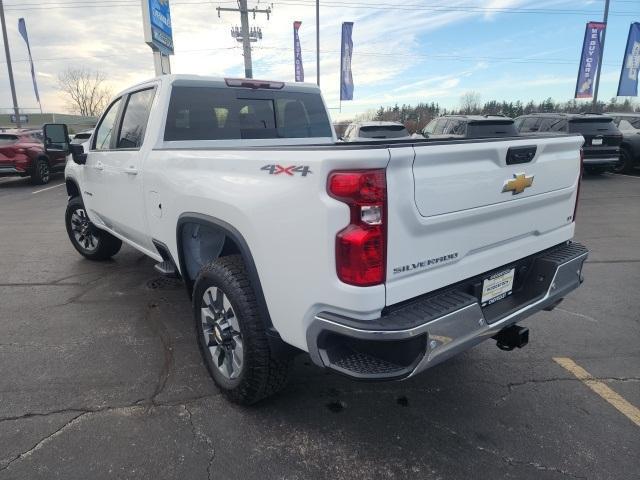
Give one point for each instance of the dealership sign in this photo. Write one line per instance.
(156, 17)
(591, 55)
(628, 86)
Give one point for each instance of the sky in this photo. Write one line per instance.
(404, 52)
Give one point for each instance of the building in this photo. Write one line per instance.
(76, 123)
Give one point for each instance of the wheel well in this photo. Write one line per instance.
(72, 189)
(201, 239)
(200, 244)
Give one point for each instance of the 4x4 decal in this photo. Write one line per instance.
(289, 170)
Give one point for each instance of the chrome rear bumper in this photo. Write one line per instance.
(431, 329)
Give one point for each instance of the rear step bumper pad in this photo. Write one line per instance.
(434, 328)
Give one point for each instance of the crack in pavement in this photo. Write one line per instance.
(159, 328)
(512, 385)
(538, 466)
(505, 458)
(84, 412)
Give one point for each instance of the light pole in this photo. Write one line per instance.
(8, 56)
(604, 34)
(318, 42)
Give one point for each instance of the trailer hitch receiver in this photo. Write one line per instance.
(512, 337)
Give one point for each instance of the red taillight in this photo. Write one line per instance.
(575, 208)
(361, 245)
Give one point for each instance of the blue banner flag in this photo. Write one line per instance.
(297, 53)
(346, 79)
(22, 28)
(591, 56)
(628, 86)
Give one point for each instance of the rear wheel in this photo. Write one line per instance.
(231, 334)
(625, 165)
(41, 172)
(89, 241)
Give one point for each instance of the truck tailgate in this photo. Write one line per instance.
(453, 212)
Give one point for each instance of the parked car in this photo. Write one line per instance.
(22, 154)
(602, 138)
(379, 261)
(470, 126)
(629, 126)
(82, 137)
(367, 131)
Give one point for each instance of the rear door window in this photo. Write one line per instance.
(134, 119)
(440, 126)
(430, 127)
(213, 113)
(530, 124)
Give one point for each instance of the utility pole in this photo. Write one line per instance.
(244, 34)
(8, 56)
(318, 42)
(604, 34)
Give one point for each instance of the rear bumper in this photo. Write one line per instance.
(430, 329)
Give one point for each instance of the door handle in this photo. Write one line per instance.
(99, 165)
(131, 171)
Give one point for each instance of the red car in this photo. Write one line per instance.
(22, 154)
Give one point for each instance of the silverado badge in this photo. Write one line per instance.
(518, 183)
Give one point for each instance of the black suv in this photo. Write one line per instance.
(470, 126)
(602, 138)
(629, 126)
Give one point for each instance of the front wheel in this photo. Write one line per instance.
(231, 334)
(41, 172)
(89, 241)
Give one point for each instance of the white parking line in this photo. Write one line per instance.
(622, 405)
(48, 188)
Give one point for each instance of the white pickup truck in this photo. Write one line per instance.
(378, 259)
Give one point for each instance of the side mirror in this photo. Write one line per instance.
(77, 153)
(56, 138)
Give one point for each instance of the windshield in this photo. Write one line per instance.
(213, 113)
(383, 131)
(8, 139)
(592, 126)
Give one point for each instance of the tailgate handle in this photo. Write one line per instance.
(516, 155)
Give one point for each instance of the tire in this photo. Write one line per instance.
(41, 173)
(625, 165)
(88, 240)
(231, 334)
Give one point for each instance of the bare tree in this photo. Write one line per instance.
(86, 91)
(470, 103)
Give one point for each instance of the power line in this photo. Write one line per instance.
(84, 4)
(443, 57)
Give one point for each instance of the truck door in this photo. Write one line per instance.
(118, 195)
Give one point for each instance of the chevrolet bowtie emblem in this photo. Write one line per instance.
(518, 183)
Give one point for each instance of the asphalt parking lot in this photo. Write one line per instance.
(100, 376)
